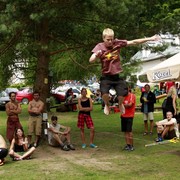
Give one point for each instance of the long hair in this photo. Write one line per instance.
(16, 136)
(172, 91)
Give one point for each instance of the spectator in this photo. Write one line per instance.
(69, 102)
(167, 128)
(169, 84)
(13, 109)
(35, 109)
(162, 87)
(98, 97)
(170, 102)
(148, 100)
(85, 107)
(69, 96)
(3, 150)
(127, 120)
(19, 146)
(57, 137)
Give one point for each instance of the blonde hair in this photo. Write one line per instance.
(107, 32)
(172, 91)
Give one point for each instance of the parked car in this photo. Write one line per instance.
(25, 95)
(62, 93)
(58, 97)
(8, 90)
(4, 98)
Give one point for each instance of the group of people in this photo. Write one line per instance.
(21, 146)
(108, 52)
(167, 128)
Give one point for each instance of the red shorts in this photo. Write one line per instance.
(84, 118)
(12, 124)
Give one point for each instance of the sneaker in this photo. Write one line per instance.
(93, 146)
(150, 133)
(70, 146)
(29, 146)
(126, 148)
(131, 148)
(159, 139)
(65, 148)
(35, 145)
(83, 146)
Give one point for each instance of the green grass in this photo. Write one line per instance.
(107, 162)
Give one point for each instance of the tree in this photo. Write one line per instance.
(57, 35)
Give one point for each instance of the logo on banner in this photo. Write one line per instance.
(159, 75)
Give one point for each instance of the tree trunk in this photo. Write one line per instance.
(42, 84)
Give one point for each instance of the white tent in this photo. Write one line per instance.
(166, 70)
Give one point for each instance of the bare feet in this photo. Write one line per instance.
(106, 110)
(122, 109)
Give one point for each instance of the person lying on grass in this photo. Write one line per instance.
(19, 146)
(3, 150)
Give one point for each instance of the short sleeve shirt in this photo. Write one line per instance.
(110, 57)
(50, 134)
(129, 112)
(175, 125)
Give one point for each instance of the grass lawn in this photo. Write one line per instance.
(107, 162)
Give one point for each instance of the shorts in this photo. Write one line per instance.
(12, 124)
(170, 134)
(148, 116)
(84, 118)
(126, 124)
(34, 125)
(52, 141)
(3, 153)
(113, 81)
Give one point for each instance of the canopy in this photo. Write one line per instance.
(166, 70)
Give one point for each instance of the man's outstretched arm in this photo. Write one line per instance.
(143, 40)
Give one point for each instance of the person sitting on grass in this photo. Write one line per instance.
(19, 146)
(167, 128)
(3, 150)
(57, 137)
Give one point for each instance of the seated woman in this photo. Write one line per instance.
(69, 102)
(19, 146)
(3, 150)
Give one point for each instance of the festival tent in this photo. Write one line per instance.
(168, 70)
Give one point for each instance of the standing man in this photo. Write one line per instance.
(109, 54)
(148, 99)
(35, 109)
(127, 120)
(13, 108)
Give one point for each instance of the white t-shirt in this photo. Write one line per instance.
(50, 133)
(173, 120)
